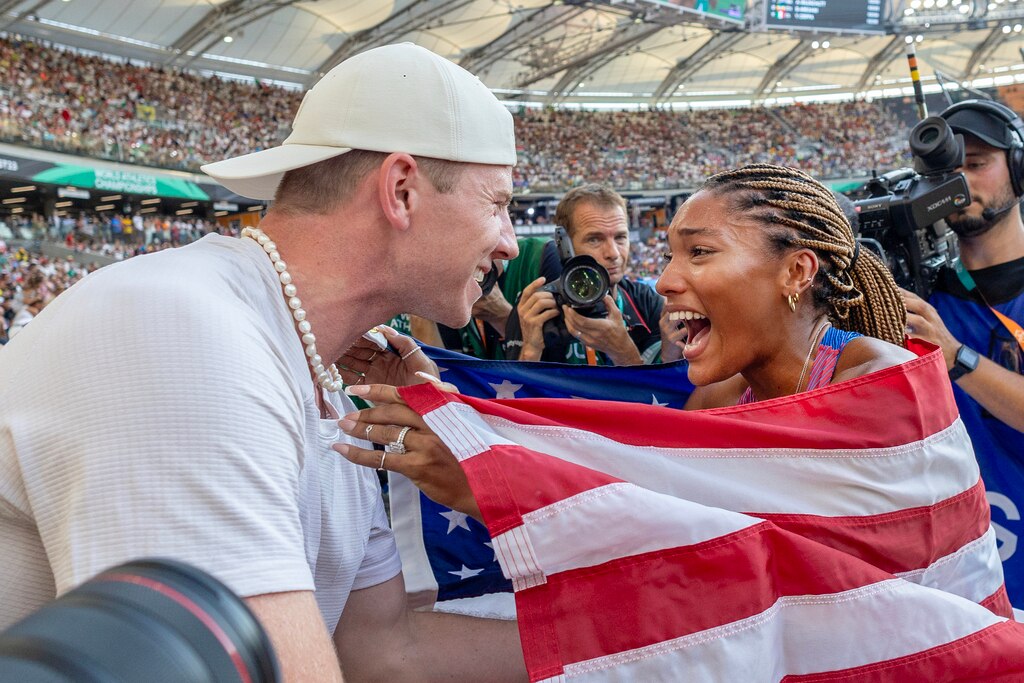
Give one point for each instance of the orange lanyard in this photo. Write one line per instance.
(970, 285)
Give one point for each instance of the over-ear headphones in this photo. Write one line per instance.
(1015, 154)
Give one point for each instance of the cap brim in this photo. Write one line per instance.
(981, 126)
(257, 175)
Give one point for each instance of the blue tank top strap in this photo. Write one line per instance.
(824, 366)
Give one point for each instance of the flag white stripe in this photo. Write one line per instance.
(801, 635)
(826, 482)
(518, 559)
(584, 530)
(463, 430)
(973, 571)
(408, 527)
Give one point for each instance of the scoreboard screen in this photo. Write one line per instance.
(733, 10)
(861, 16)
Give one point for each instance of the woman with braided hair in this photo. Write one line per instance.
(777, 298)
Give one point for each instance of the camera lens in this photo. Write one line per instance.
(585, 285)
(929, 135)
(149, 620)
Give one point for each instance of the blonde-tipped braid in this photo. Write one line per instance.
(854, 285)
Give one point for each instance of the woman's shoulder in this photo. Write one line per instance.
(717, 395)
(864, 355)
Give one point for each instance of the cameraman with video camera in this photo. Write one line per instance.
(976, 310)
(622, 328)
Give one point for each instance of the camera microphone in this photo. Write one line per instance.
(991, 214)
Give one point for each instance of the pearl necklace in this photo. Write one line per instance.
(328, 377)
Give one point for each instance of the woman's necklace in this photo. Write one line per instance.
(810, 352)
(327, 377)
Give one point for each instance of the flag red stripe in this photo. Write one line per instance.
(561, 480)
(621, 604)
(898, 541)
(991, 655)
(917, 396)
(902, 540)
(999, 603)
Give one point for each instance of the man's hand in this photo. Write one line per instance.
(535, 308)
(608, 335)
(673, 338)
(367, 363)
(923, 322)
(493, 309)
(998, 390)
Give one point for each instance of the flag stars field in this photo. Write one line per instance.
(506, 389)
(456, 520)
(466, 572)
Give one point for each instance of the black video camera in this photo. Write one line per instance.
(900, 219)
(582, 285)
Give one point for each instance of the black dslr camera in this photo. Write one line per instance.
(899, 220)
(582, 285)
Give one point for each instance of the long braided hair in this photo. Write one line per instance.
(853, 286)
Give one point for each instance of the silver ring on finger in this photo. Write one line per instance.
(409, 353)
(368, 428)
(398, 445)
(383, 456)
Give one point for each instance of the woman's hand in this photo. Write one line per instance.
(366, 363)
(417, 454)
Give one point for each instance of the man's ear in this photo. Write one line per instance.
(399, 186)
(801, 269)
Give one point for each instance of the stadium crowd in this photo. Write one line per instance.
(169, 118)
(29, 279)
(146, 115)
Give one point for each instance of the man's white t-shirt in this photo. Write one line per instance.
(163, 407)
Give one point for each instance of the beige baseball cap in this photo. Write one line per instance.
(395, 98)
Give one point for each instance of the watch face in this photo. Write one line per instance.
(967, 358)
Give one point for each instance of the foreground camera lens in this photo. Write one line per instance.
(584, 285)
(153, 620)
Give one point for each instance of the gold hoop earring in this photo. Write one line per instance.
(793, 299)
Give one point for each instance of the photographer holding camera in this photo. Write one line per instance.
(977, 308)
(620, 329)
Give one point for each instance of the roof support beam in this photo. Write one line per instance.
(879, 61)
(624, 39)
(588, 68)
(416, 15)
(520, 33)
(711, 50)
(219, 21)
(985, 49)
(11, 4)
(783, 66)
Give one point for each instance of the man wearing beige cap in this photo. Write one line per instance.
(200, 427)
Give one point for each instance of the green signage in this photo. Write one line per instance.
(130, 182)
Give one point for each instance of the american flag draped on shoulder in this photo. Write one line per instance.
(762, 542)
(446, 556)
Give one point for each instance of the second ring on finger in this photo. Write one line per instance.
(387, 434)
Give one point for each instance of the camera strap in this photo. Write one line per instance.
(971, 286)
(590, 353)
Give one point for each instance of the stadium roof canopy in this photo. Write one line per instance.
(562, 52)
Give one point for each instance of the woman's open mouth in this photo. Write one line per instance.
(698, 331)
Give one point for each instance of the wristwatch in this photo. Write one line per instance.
(966, 361)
